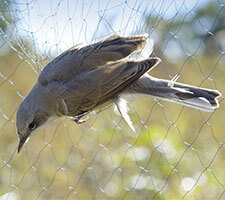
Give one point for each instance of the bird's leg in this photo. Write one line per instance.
(78, 118)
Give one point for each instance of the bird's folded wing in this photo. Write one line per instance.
(112, 49)
(96, 87)
(75, 61)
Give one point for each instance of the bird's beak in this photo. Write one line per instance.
(21, 143)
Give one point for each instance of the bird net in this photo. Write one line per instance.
(175, 153)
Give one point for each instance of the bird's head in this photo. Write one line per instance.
(30, 117)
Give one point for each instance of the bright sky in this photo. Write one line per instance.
(55, 25)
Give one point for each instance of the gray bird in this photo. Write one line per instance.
(84, 79)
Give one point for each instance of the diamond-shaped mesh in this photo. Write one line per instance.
(176, 152)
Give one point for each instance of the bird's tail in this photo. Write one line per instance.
(187, 95)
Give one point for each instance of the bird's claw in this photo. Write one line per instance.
(80, 119)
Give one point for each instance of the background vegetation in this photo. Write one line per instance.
(176, 153)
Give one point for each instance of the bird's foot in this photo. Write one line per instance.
(80, 119)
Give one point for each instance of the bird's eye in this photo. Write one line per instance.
(32, 126)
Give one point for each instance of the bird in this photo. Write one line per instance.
(87, 78)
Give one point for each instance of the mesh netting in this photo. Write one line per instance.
(176, 152)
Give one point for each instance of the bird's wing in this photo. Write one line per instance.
(112, 49)
(75, 61)
(94, 88)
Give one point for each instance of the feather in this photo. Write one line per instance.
(148, 48)
(122, 108)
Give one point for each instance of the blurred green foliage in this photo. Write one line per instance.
(176, 152)
(201, 29)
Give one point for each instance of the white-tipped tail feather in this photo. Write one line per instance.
(187, 95)
(195, 103)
